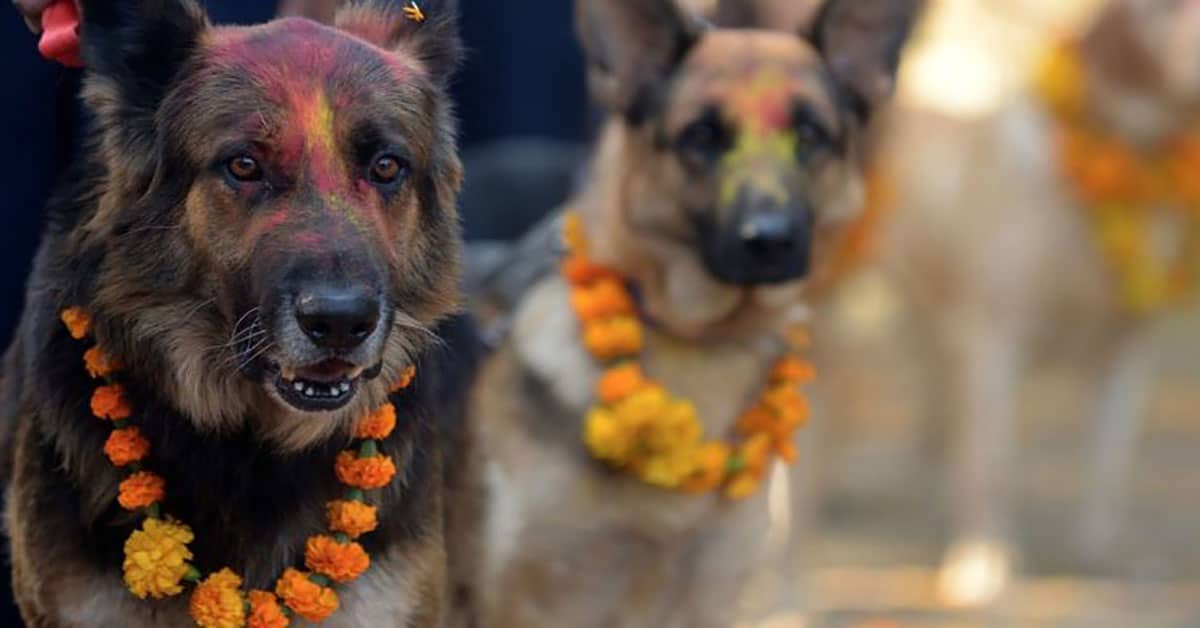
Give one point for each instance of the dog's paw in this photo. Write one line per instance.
(974, 573)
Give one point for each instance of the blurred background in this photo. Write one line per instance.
(875, 521)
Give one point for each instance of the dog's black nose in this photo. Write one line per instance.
(771, 238)
(335, 317)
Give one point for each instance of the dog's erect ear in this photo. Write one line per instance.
(133, 51)
(861, 41)
(138, 47)
(632, 47)
(423, 29)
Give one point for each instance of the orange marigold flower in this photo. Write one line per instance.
(78, 322)
(613, 338)
(793, 370)
(217, 602)
(711, 461)
(755, 453)
(341, 562)
(787, 450)
(405, 380)
(364, 473)
(351, 518)
(378, 424)
(619, 382)
(601, 299)
(109, 402)
(306, 598)
(141, 490)
(573, 233)
(99, 363)
(265, 611)
(579, 270)
(125, 446)
(755, 420)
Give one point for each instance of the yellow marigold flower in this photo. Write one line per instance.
(341, 562)
(364, 473)
(306, 598)
(125, 446)
(674, 428)
(351, 518)
(141, 490)
(742, 485)
(612, 338)
(711, 461)
(619, 382)
(643, 407)
(602, 298)
(669, 470)
(265, 611)
(156, 558)
(217, 602)
(377, 425)
(99, 363)
(607, 438)
(110, 402)
(78, 322)
(406, 379)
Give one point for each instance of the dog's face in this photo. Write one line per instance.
(1166, 45)
(742, 143)
(297, 187)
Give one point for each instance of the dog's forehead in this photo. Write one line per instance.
(294, 53)
(754, 73)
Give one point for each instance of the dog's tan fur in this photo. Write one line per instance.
(566, 541)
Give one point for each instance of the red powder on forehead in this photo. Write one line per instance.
(763, 103)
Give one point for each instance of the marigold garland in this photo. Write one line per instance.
(640, 427)
(338, 561)
(217, 602)
(126, 446)
(157, 559)
(265, 611)
(306, 598)
(1127, 191)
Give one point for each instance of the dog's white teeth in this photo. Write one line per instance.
(298, 387)
(356, 371)
(309, 392)
(345, 386)
(333, 390)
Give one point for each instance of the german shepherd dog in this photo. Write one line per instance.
(567, 542)
(1001, 266)
(263, 228)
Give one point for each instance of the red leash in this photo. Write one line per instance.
(60, 33)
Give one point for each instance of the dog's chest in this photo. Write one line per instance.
(551, 504)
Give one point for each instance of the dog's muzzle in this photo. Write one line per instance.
(760, 242)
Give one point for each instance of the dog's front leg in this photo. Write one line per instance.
(984, 361)
(1121, 396)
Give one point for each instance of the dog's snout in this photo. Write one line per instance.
(771, 237)
(335, 317)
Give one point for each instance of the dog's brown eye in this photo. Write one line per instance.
(386, 170)
(245, 168)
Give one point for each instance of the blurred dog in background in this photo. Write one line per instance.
(727, 171)
(1067, 223)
